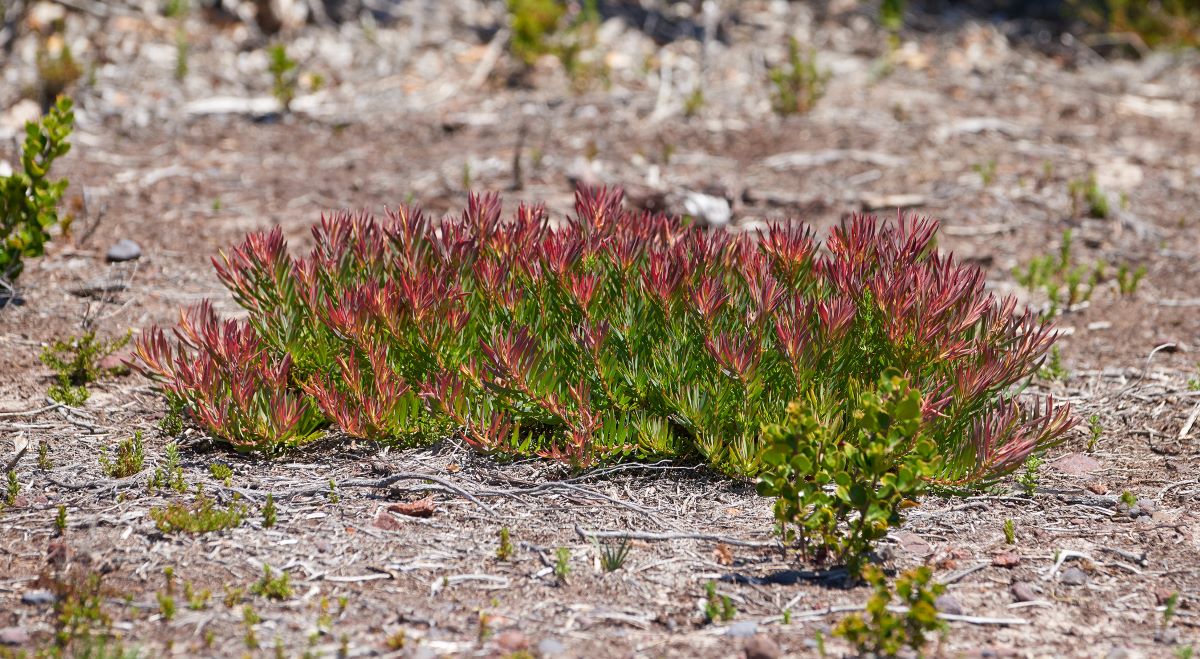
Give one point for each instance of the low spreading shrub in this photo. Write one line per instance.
(610, 335)
(28, 198)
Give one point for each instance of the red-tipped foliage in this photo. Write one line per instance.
(611, 333)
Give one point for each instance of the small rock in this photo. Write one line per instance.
(1118, 653)
(1147, 506)
(123, 250)
(512, 641)
(13, 636)
(946, 603)
(714, 211)
(742, 629)
(1007, 559)
(912, 543)
(1076, 464)
(38, 597)
(549, 647)
(761, 647)
(1073, 576)
(1023, 592)
(1096, 488)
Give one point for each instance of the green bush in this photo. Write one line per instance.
(798, 83)
(847, 463)
(28, 198)
(882, 633)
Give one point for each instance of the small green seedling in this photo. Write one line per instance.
(798, 84)
(562, 564)
(12, 488)
(284, 75)
(1053, 370)
(221, 472)
(717, 607)
(130, 458)
(1172, 605)
(504, 551)
(201, 517)
(43, 456)
(333, 491)
(612, 556)
(60, 520)
(986, 171)
(76, 363)
(269, 513)
(1028, 480)
(272, 587)
(166, 606)
(1095, 429)
(1128, 499)
(881, 633)
(1010, 532)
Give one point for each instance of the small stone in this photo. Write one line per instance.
(1008, 559)
(742, 629)
(13, 636)
(1023, 592)
(761, 647)
(1096, 488)
(38, 597)
(1073, 576)
(912, 543)
(512, 641)
(1147, 506)
(1076, 464)
(123, 250)
(946, 603)
(712, 210)
(550, 647)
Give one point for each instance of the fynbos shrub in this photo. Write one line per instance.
(610, 335)
(28, 198)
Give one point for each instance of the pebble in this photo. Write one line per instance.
(1023, 592)
(1073, 576)
(761, 647)
(512, 641)
(742, 629)
(123, 250)
(1006, 559)
(549, 647)
(38, 597)
(714, 211)
(946, 603)
(13, 636)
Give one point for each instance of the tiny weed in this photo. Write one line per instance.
(201, 517)
(1028, 480)
(1127, 281)
(881, 633)
(233, 595)
(1088, 192)
(76, 363)
(396, 641)
(798, 84)
(172, 423)
(166, 606)
(612, 556)
(1053, 370)
(717, 607)
(1128, 499)
(197, 600)
(250, 616)
(694, 102)
(333, 492)
(562, 564)
(43, 456)
(1010, 532)
(130, 458)
(1184, 652)
(268, 512)
(787, 616)
(504, 551)
(221, 472)
(484, 630)
(284, 75)
(1172, 605)
(1095, 429)
(986, 171)
(12, 488)
(182, 49)
(60, 520)
(276, 588)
